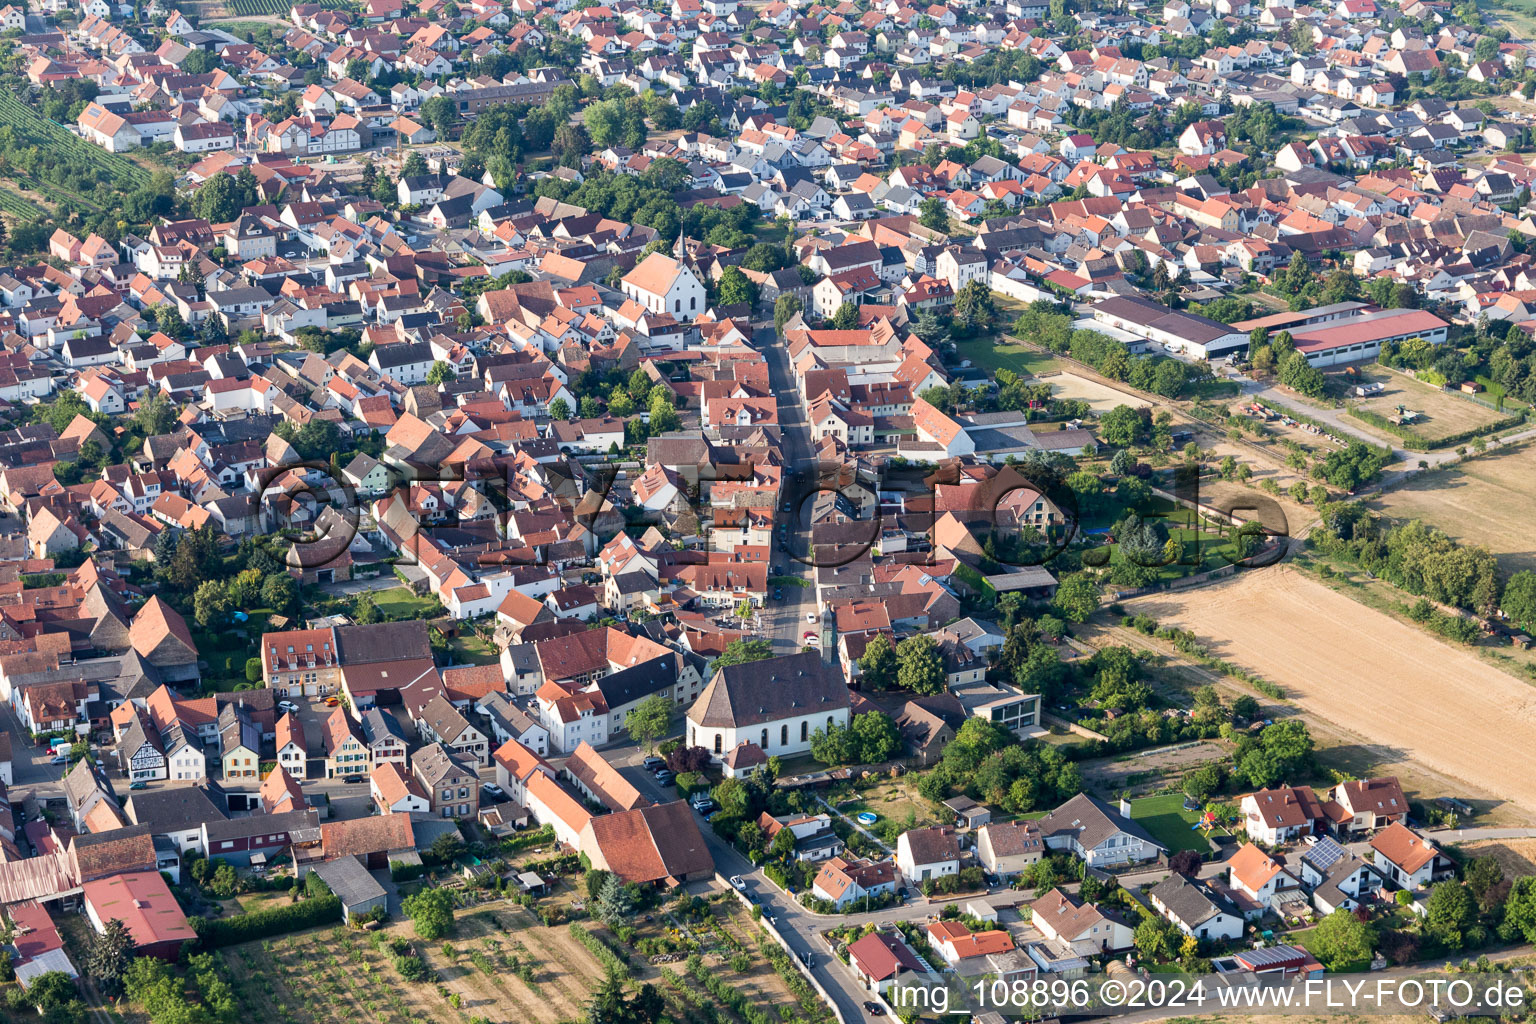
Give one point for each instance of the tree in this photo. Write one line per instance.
(664, 418)
(1301, 376)
(784, 309)
(735, 288)
(876, 737)
(364, 611)
(1450, 911)
(739, 652)
(1184, 862)
(1122, 426)
(1077, 597)
(1245, 707)
(920, 668)
(1519, 600)
(1281, 750)
(846, 318)
(878, 663)
(431, 913)
(1154, 939)
(649, 720)
(613, 904)
(1341, 940)
(107, 956)
(559, 409)
(441, 373)
(279, 592)
(974, 310)
(933, 214)
(210, 602)
(156, 415)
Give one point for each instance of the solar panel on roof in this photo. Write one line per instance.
(1325, 854)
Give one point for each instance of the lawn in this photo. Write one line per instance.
(401, 603)
(1166, 820)
(993, 354)
(1519, 16)
(470, 648)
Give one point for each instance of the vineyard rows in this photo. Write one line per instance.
(30, 126)
(274, 7)
(18, 207)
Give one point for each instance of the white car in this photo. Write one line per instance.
(289, 706)
(738, 883)
(810, 617)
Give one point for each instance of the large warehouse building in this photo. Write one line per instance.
(1188, 334)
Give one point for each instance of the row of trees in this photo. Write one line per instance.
(1044, 325)
(1420, 559)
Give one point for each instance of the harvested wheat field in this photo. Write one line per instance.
(1516, 856)
(1394, 686)
(1487, 501)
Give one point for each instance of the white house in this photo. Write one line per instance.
(1007, 848)
(1089, 929)
(1407, 859)
(926, 853)
(777, 703)
(1196, 908)
(1096, 834)
(1281, 815)
(1261, 876)
(664, 285)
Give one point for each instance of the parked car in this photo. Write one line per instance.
(653, 763)
(494, 791)
(332, 702)
(59, 759)
(778, 594)
(288, 706)
(738, 883)
(352, 780)
(141, 784)
(874, 1009)
(810, 616)
(808, 635)
(665, 778)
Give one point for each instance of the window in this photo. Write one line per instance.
(717, 743)
(805, 731)
(764, 741)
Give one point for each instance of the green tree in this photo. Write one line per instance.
(1301, 376)
(1450, 911)
(846, 318)
(919, 666)
(155, 415)
(735, 288)
(107, 956)
(932, 213)
(649, 720)
(1280, 751)
(878, 663)
(1077, 597)
(440, 373)
(559, 409)
(431, 913)
(364, 611)
(664, 418)
(1154, 939)
(739, 652)
(279, 592)
(613, 905)
(1340, 940)
(1519, 600)
(875, 736)
(1122, 426)
(210, 602)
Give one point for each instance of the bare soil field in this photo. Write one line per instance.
(1100, 397)
(1400, 690)
(1486, 500)
(1516, 856)
(1444, 414)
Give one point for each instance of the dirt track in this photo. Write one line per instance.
(1348, 664)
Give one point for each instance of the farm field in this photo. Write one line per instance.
(1444, 414)
(339, 975)
(1486, 501)
(30, 126)
(1100, 397)
(1405, 694)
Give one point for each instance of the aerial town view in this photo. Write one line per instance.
(767, 511)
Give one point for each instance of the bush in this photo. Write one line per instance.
(261, 924)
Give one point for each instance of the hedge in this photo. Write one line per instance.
(1419, 443)
(261, 924)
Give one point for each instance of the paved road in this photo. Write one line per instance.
(1471, 835)
(786, 621)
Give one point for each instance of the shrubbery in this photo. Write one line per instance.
(260, 924)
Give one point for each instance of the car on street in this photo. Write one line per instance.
(810, 616)
(60, 759)
(738, 883)
(653, 763)
(353, 780)
(665, 778)
(495, 792)
(288, 706)
(808, 959)
(778, 594)
(874, 1009)
(809, 634)
(332, 702)
(141, 784)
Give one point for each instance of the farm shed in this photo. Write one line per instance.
(358, 891)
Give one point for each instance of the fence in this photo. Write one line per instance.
(1073, 728)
